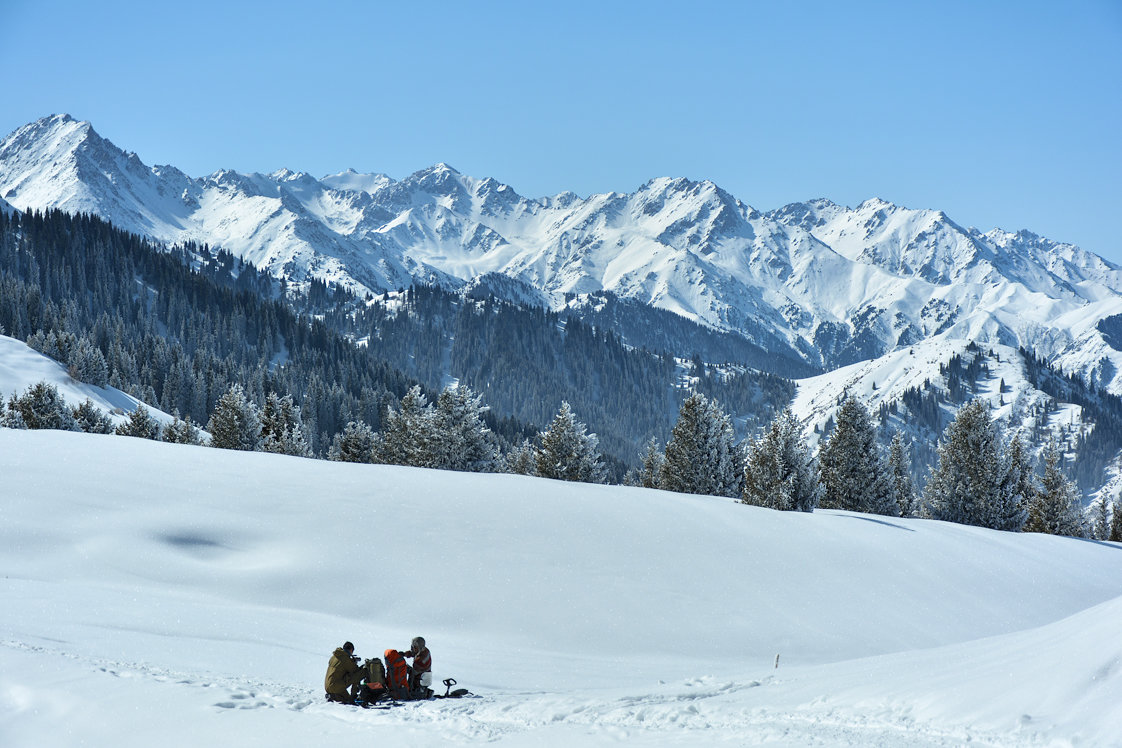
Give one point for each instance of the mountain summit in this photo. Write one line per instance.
(829, 284)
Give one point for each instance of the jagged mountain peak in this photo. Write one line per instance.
(439, 170)
(58, 135)
(354, 181)
(288, 175)
(61, 123)
(876, 203)
(437, 180)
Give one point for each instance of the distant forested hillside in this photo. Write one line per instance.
(177, 326)
(526, 361)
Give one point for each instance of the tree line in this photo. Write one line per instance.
(980, 478)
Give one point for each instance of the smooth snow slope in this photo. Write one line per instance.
(164, 595)
(22, 366)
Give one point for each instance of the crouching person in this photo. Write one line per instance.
(344, 675)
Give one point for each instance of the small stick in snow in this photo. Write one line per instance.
(777, 662)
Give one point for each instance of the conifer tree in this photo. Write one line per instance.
(86, 363)
(235, 423)
(355, 444)
(780, 472)
(463, 441)
(1116, 521)
(568, 452)
(42, 407)
(181, 431)
(282, 431)
(521, 459)
(701, 456)
(140, 424)
(11, 417)
(409, 433)
(970, 477)
(92, 419)
(1011, 511)
(1056, 509)
(1101, 527)
(854, 475)
(652, 461)
(899, 461)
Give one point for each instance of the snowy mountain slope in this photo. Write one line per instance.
(881, 382)
(1019, 404)
(179, 610)
(815, 280)
(22, 367)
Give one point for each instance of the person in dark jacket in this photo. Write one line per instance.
(344, 675)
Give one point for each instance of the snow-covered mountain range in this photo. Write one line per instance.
(879, 297)
(830, 284)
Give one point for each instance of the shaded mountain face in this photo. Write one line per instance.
(816, 282)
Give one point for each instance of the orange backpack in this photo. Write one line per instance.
(397, 674)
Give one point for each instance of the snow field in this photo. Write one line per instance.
(182, 595)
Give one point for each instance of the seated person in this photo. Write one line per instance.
(421, 676)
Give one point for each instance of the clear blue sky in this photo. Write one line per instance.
(1000, 113)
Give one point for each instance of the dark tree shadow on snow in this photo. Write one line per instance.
(877, 521)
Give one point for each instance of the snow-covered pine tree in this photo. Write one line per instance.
(181, 431)
(57, 344)
(780, 472)
(235, 423)
(522, 460)
(42, 407)
(92, 419)
(1100, 529)
(282, 430)
(463, 441)
(409, 433)
(568, 452)
(141, 424)
(702, 456)
(1116, 521)
(899, 467)
(86, 363)
(971, 472)
(1056, 509)
(355, 444)
(1018, 491)
(853, 472)
(652, 460)
(11, 417)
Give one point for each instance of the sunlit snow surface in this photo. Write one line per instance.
(182, 596)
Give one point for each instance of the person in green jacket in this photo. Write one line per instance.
(344, 675)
